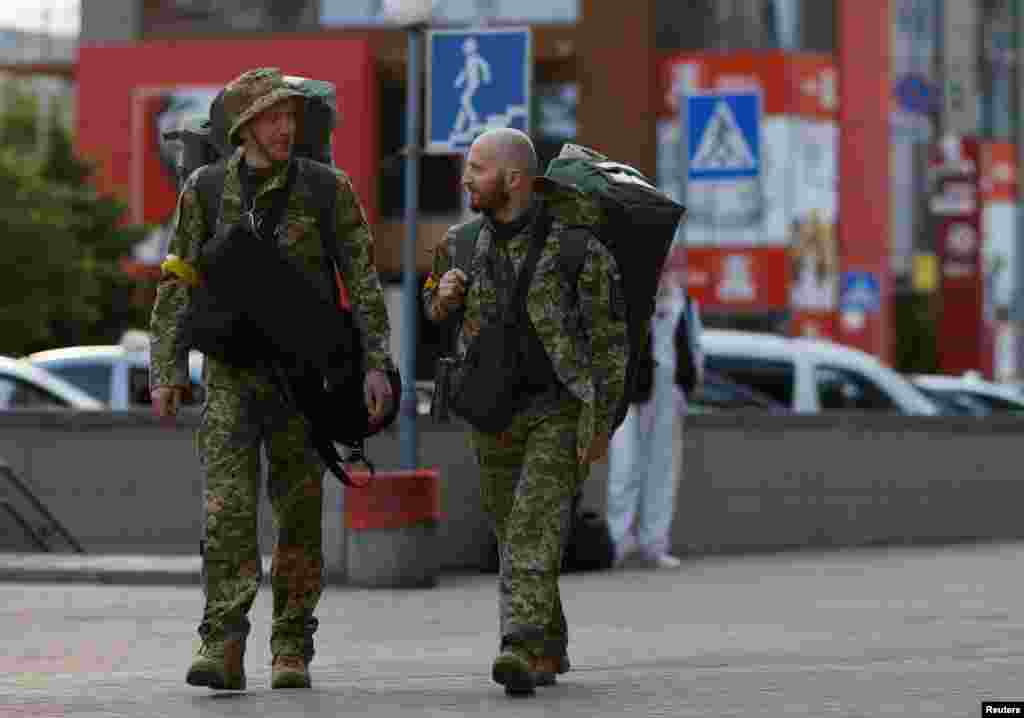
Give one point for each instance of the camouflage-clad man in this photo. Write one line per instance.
(245, 410)
(530, 472)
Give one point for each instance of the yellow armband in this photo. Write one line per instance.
(181, 269)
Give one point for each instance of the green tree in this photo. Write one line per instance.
(62, 282)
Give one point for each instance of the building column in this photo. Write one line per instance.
(616, 71)
(864, 213)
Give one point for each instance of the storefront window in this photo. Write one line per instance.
(455, 12)
(793, 25)
(998, 70)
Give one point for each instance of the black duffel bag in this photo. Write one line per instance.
(486, 387)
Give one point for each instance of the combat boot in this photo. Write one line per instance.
(512, 670)
(219, 664)
(290, 672)
(546, 668)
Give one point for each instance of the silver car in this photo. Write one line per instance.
(25, 386)
(117, 375)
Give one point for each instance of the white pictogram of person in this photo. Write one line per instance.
(475, 72)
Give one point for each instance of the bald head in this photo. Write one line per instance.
(512, 149)
(499, 173)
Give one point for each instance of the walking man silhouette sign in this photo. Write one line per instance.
(477, 80)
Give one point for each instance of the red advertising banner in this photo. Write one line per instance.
(956, 212)
(740, 279)
(129, 93)
(766, 243)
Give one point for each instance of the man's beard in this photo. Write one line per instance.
(266, 152)
(492, 202)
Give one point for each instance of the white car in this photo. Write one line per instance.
(810, 376)
(24, 386)
(116, 374)
(970, 394)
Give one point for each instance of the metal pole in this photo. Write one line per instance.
(410, 287)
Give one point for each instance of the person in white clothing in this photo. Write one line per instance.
(644, 451)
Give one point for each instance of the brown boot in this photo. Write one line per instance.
(219, 665)
(512, 669)
(545, 668)
(290, 672)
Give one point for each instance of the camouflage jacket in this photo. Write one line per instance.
(299, 236)
(583, 328)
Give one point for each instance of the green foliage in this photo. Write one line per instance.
(63, 243)
(914, 321)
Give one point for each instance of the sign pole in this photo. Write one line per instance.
(410, 287)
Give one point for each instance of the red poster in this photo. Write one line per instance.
(956, 212)
(128, 92)
(737, 279)
(765, 243)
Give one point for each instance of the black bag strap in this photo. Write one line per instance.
(267, 227)
(465, 244)
(210, 188)
(465, 247)
(324, 185)
(538, 238)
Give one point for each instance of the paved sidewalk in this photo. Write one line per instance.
(909, 631)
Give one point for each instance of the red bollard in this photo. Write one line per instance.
(392, 529)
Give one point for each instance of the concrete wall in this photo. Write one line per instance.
(111, 21)
(123, 483)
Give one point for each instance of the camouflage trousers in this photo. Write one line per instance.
(528, 476)
(242, 416)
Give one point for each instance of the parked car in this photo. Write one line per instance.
(811, 375)
(25, 386)
(970, 394)
(115, 374)
(719, 393)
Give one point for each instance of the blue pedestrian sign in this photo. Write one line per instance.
(723, 136)
(859, 292)
(477, 80)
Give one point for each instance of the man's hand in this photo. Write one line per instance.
(598, 450)
(166, 400)
(451, 290)
(377, 388)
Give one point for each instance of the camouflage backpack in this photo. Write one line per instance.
(629, 216)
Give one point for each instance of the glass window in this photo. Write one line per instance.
(721, 393)
(998, 68)
(773, 378)
(843, 389)
(93, 379)
(371, 12)
(995, 404)
(138, 386)
(795, 25)
(951, 403)
(440, 191)
(18, 394)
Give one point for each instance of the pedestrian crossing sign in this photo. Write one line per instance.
(723, 136)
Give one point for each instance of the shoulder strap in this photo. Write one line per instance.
(539, 236)
(465, 243)
(324, 185)
(210, 188)
(573, 252)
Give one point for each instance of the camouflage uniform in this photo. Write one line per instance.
(244, 409)
(530, 472)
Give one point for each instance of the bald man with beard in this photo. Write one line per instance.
(575, 345)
